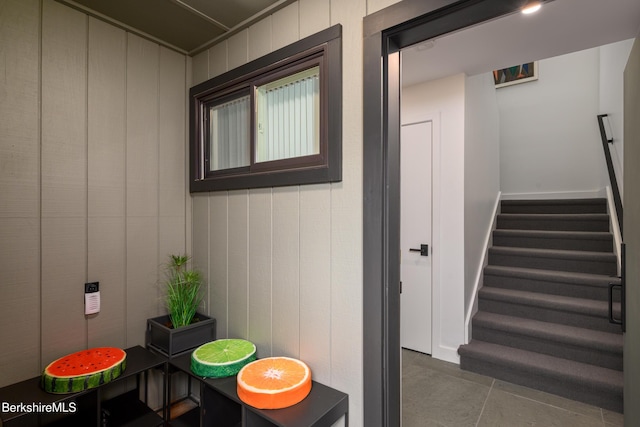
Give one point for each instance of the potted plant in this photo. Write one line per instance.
(183, 328)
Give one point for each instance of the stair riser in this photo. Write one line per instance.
(606, 267)
(603, 398)
(554, 209)
(552, 224)
(600, 293)
(594, 245)
(552, 348)
(598, 322)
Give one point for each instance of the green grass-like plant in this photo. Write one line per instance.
(183, 291)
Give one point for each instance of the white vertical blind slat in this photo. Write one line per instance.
(290, 120)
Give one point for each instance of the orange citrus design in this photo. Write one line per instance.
(274, 382)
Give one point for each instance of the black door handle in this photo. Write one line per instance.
(424, 250)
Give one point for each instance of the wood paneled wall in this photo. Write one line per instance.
(93, 187)
(284, 265)
(92, 181)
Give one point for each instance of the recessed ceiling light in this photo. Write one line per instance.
(426, 45)
(531, 7)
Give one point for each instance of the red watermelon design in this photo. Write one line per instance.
(83, 370)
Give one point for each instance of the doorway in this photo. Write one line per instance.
(399, 26)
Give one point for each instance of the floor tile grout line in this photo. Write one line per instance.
(495, 384)
(485, 402)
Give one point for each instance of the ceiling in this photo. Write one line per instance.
(185, 25)
(560, 27)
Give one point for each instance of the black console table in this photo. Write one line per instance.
(221, 406)
(26, 404)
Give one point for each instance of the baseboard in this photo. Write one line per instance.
(587, 194)
(448, 354)
(473, 305)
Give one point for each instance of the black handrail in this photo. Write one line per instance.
(617, 200)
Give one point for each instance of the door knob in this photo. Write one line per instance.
(424, 250)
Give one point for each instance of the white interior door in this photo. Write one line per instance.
(415, 232)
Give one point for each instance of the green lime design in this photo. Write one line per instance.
(222, 358)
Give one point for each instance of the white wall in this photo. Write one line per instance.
(613, 59)
(445, 98)
(92, 181)
(481, 174)
(547, 124)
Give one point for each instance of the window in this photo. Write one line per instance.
(274, 121)
(228, 133)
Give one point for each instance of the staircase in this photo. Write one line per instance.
(542, 318)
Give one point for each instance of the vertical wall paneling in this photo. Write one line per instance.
(188, 204)
(200, 242)
(286, 272)
(238, 49)
(259, 258)
(259, 43)
(218, 259)
(172, 153)
(106, 180)
(217, 59)
(286, 263)
(19, 191)
(64, 180)
(346, 210)
(142, 186)
(237, 318)
(376, 5)
(200, 68)
(315, 279)
(92, 180)
(286, 26)
(314, 16)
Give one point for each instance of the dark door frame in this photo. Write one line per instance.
(385, 33)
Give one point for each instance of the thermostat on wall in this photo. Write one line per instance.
(92, 298)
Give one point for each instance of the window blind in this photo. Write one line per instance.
(229, 133)
(288, 117)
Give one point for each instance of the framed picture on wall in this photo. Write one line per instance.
(517, 74)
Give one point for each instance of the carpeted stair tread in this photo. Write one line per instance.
(554, 253)
(557, 234)
(556, 302)
(554, 259)
(595, 205)
(557, 222)
(554, 368)
(571, 335)
(552, 275)
(550, 239)
(567, 283)
(542, 318)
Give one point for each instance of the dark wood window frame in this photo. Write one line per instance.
(323, 49)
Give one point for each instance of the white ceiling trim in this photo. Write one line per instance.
(244, 24)
(128, 28)
(201, 14)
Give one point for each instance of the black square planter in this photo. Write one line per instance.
(174, 342)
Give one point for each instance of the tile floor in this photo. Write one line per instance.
(439, 394)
